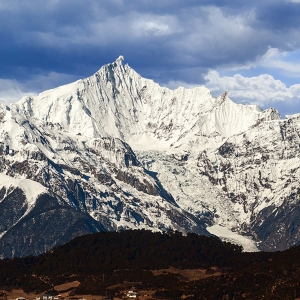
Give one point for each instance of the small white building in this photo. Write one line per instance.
(132, 294)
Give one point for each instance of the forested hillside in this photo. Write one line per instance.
(102, 260)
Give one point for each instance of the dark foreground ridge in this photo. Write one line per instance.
(103, 261)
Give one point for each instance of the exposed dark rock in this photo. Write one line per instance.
(279, 228)
(12, 208)
(144, 186)
(227, 149)
(46, 226)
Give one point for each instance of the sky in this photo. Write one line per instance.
(250, 48)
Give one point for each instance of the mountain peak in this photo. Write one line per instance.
(120, 59)
(109, 149)
(116, 101)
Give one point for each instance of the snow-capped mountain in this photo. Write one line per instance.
(117, 151)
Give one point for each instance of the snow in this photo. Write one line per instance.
(293, 116)
(149, 143)
(118, 102)
(32, 189)
(174, 133)
(227, 235)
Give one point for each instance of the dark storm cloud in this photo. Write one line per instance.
(165, 40)
(281, 16)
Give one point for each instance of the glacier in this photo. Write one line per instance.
(116, 151)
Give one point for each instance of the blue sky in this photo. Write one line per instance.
(250, 48)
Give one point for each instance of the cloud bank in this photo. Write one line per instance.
(168, 41)
(262, 90)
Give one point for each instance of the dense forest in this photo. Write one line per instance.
(133, 255)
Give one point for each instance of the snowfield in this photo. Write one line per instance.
(127, 153)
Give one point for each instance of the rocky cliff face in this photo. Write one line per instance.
(78, 185)
(250, 183)
(117, 151)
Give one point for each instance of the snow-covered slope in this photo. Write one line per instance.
(246, 184)
(124, 152)
(118, 102)
(99, 177)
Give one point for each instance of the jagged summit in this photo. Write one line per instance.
(117, 151)
(120, 59)
(116, 101)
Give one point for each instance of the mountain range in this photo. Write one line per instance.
(116, 151)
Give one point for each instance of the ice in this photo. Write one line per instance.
(32, 189)
(227, 235)
(222, 162)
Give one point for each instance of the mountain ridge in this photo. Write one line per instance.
(128, 153)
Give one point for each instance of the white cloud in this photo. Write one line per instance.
(273, 59)
(174, 84)
(153, 25)
(11, 91)
(212, 29)
(262, 90)
(276, 59)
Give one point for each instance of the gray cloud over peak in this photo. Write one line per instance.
(168, 41)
